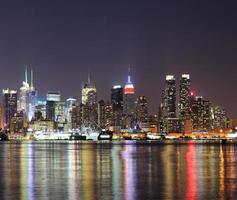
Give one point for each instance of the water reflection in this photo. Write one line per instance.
(117, 171)
(191, 185)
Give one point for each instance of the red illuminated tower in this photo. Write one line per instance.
(129, 96)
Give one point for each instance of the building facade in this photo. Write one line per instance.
(9, 106)
(184, 99)
(142, 109)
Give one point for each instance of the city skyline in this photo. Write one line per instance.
(61, 40)
(180, 111)
(106, 97)
(153, 108)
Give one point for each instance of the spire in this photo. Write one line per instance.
(88, 78)
(26, 74)
(129, 74)
(129, 69)
(31, 77)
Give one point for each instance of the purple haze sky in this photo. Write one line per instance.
(62, 40)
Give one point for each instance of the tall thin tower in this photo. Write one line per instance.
(129, 95)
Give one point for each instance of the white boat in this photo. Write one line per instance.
(51, 135)
(105, 135)
(86, 133)
(153, 136)
(90, 133)
(171, 137)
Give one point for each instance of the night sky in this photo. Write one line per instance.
(64, 39)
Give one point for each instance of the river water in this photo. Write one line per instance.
(90, 171)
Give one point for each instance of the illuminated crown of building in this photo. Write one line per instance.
(129, 87)
(87, 88)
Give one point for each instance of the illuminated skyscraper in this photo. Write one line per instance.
(89, 93)
(170, 97)
(54, 96)
(167, 115)
(117, 98)
(108, 114)
(89, 106)
(129, 97)
(200, 113)
(50, 110)
(18, 122)
(218, 117)
(76, 118)
(68, 108)
(184, 99)
(141, 109)
(40, 108)
(28, 95)
(60, 112)
(10, 106)
(60, 118)
(117, 106)
(101, 114)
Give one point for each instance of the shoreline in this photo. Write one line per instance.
(125, 142)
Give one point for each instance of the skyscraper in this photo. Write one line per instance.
(89, 106)
(18, 124)
(141, 109)
(218, 117)
(117, 106)
(170, 97)
(89, 93)
(60, 112)
(10, 106)
(129, 97)
(117, 98)
(76, 118)
(68, 108)
(41, 107)
(52, 97)
(167, 112)
(50, 110)
(101, 114)
(28, 95)
(108, 114)
(184, 100)
(200, 113)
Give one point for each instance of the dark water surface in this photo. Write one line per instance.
(117, 171)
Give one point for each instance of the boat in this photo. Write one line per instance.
(170, 137)
(91, 134)
(77, 136)
(51, 135)
(153, 136)
(86, 133)
(105, 135)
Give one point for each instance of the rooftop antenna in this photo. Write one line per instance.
(129, 73)
(26, 74)
(31, 78)
(89, 78)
